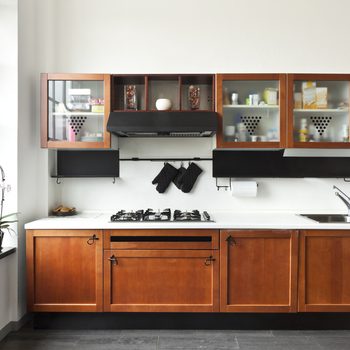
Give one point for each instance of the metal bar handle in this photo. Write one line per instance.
(230, 240)
(92, 240)
(113, 259)
(209, 260)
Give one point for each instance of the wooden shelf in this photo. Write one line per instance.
(252, 107)
(324, 110)
(78, 113)
(321, 144)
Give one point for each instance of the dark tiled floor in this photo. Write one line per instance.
(28, 339)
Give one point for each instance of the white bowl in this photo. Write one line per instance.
(163, 104)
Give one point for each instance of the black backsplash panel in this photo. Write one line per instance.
(253, 163)
(104, 163)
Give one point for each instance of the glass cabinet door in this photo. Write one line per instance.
(76, 111)
(252, 109)
(318, 110)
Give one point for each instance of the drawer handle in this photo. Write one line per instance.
(230, 240)
(209, 260)
(113, 259)
(92, 240)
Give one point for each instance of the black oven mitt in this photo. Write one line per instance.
(178, 178)
(190, 177)
(165, 176)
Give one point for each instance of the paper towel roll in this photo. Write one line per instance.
(244, 189)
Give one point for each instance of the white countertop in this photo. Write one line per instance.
(223, 220)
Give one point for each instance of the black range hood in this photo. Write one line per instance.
(163, 123)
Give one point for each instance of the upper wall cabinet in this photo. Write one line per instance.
(252, 110)
(318, 110)
(186, 92)
(75, 110)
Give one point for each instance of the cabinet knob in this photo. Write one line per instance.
(113, 259)
(209, 260)
(230, 240)
(92, 240)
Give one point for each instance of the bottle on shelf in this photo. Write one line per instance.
(303, 131)
(225, 97)
(345, 133)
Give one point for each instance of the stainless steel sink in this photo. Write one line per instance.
(328, 218)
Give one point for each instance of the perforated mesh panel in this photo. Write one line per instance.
(251, 122)
(76, 122)
(321, 123)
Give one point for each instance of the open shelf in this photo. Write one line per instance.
(174, 87)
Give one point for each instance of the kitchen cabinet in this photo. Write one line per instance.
(161, 271)
(75, 110)
(324, 274)
(258, 271)
(252, 109)
(186, 92)
(318, 110)
(64, 270)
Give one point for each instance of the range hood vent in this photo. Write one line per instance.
(163, 124)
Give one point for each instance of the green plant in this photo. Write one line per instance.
(7, 220)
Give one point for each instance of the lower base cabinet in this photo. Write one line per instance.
(161, 280)
(64, 270)
(185, 271)
(258, 271)
(324, 275)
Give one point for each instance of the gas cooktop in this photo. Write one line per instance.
(165, 215)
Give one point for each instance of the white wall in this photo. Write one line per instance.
(34, 192)
(8, 150)
(195, 36)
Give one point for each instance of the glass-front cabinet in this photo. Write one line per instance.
(318, 110)
(252, 110)
(74, 111)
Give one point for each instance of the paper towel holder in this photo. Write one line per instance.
(226, 187)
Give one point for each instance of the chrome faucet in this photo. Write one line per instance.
(344, 198)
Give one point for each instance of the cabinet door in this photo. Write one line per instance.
(258, 271)
(252, 109)
(161, 280)
(324, 279)
(318, 110)
(64, 270)
(74, 110)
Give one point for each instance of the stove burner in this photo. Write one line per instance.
(151, 215)
(122, 215)
(193, 215)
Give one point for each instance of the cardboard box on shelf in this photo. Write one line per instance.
(298, 103)
(308, 89)
(321, 97)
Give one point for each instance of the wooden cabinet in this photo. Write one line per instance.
(64, 270)
(252, 109)
(161, 271)
(258, 271)
(324, 273)
(74, 110)
(318, 111)
(186, 92)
